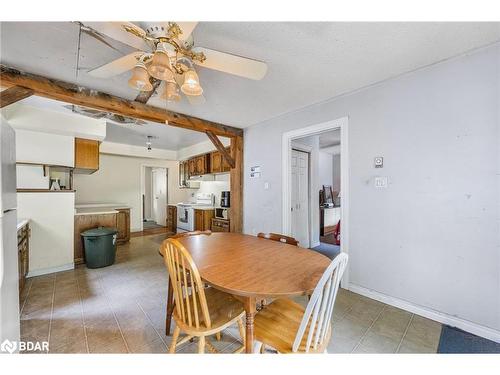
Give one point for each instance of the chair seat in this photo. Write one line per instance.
(223, 310)
(277, 324)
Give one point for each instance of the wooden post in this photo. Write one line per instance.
(236, 183)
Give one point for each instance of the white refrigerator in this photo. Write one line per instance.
(9, 274)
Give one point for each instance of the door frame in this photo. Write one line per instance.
(143, 184)
(286, 154)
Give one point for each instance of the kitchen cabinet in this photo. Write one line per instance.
(217, 163)
(192, 167)
(86, 155)
(183, 174)
(123, 225)
(171, 218)
(202, 164)
(220, 225)
(203, 219)
(23, 235)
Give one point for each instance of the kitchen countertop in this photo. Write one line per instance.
(21, 223)
(98, 208)
(100, 205)
(95, 211)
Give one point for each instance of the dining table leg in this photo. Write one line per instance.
(170, 307)
(250, 310)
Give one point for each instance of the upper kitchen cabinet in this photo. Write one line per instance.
(86, 155)
(202, 164)
(217, 163)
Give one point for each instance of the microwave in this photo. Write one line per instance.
(222, 213)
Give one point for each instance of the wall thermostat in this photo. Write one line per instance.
(379, 161)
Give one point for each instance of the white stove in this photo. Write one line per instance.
(185, 211)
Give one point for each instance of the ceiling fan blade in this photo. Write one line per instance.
(116, 31)
(116, 67)
(232, 64)
(187, 29)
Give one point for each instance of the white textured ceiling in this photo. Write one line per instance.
(307, 62)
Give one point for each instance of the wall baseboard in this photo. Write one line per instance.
(314, 244)
(45, 271)
(468, 326)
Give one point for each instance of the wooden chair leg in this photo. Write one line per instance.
(175, 337)
(263, 348)
(218, 336)
(201, 345)
(170, 307)
(241, 327)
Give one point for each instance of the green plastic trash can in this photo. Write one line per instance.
(100, 246)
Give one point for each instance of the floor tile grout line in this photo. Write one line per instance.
(113, 312)
(83, 315)
(52, 310)
(25, 299)
(404, 334)
(368, 329)
(152, 325)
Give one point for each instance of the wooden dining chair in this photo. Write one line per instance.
(289, 328)
(170, 295)
(279, 237)
(199, 312)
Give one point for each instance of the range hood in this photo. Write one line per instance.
(203, 177)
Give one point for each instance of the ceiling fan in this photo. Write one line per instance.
(166, 52)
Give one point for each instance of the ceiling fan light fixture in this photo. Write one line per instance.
(160, 67)
(140, 78)
(171, 92)
(191, 85)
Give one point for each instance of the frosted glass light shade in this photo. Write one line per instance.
(160, 66)
(140, 78)
(191, 84)
(171, 92)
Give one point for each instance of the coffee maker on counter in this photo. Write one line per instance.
(225, 199)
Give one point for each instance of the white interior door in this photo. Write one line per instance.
(300, 197)
(159, 179)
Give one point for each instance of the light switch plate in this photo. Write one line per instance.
(381, 182)
(379, 162)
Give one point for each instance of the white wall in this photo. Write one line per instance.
(119, 180)
(432, 237)
(200, 148)
(325, 168)
(40, 147)
(336, 172)
(51, 218)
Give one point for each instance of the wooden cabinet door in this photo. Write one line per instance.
(123, 225)
(215, 162)
(171, 218)
(86, 154)
(192, 167)
(200, 165)
(198, 220)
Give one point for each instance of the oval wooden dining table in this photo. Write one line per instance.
(252, 269)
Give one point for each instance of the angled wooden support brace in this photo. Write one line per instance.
(220, 147)
(14, 94)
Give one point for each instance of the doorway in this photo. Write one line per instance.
(155, 197)
(308, 140)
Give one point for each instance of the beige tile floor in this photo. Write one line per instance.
(121, 309)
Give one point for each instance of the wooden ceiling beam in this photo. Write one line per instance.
(13, 94)
(220, 147)
(74, 94)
